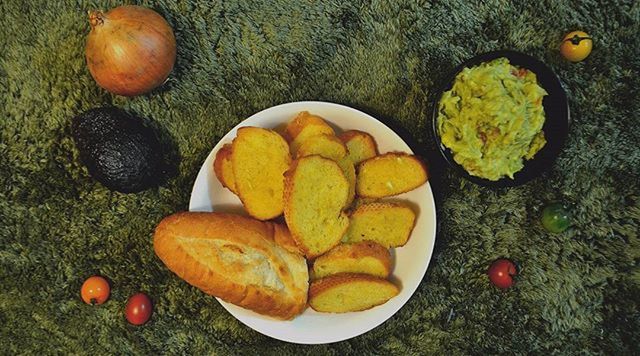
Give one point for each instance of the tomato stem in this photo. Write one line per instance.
(96, 17)
(575, 40)
(94, 301)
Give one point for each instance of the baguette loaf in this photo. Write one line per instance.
(236, 259)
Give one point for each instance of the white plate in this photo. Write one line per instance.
(411, 260)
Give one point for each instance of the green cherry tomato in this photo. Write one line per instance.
(556, 217)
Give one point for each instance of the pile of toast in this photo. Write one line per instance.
(332, 253)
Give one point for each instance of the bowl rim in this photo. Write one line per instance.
(551, 150)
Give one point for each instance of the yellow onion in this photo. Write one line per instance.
(130, 49)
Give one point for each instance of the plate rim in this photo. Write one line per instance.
(445, 152)
(409, 142)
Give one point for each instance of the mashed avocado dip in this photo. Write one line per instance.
(492, 118)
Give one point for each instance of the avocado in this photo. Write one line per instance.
(118, 150)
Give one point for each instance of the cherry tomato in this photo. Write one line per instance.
(556, 217)
(138, 309)
(501, 273)
(95, 290)
(576, 46)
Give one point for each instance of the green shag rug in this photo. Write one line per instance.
(579, 291)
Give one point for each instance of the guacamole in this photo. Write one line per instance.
(492, 119)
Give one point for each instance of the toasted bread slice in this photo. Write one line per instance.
(259, 158)
(389, 224)
(331, 147)
(349, 171)
(325, 145)
(365, 257)
(390, 174)
(235, 258)
(342, 293)
(223, 168)
(361, 145)
(315, 196)
(304, 126)
(303, 119)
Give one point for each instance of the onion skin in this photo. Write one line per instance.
(130, 49)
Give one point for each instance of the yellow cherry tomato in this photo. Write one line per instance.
(576, 46)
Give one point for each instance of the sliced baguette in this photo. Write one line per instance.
(361, 145)
(389, 224)
(325, 145)
(349, 171)
(342, 293)
(304, 126)
(236, 259)
(223, 168)
(390, 174)
(259, 158)
(331, 147)
(365, 257)
(315, 196)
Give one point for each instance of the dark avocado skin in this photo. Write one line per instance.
(118, 150)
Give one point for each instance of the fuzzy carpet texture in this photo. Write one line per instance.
(578, 292)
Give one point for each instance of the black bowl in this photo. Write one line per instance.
(556, 125)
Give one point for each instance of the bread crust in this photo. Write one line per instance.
(346, 136)
(282, 236)
(175, 233)
(224, 154)
(379, 205)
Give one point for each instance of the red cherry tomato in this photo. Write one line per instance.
(139, 309)
(501, 273)
(95, 290)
